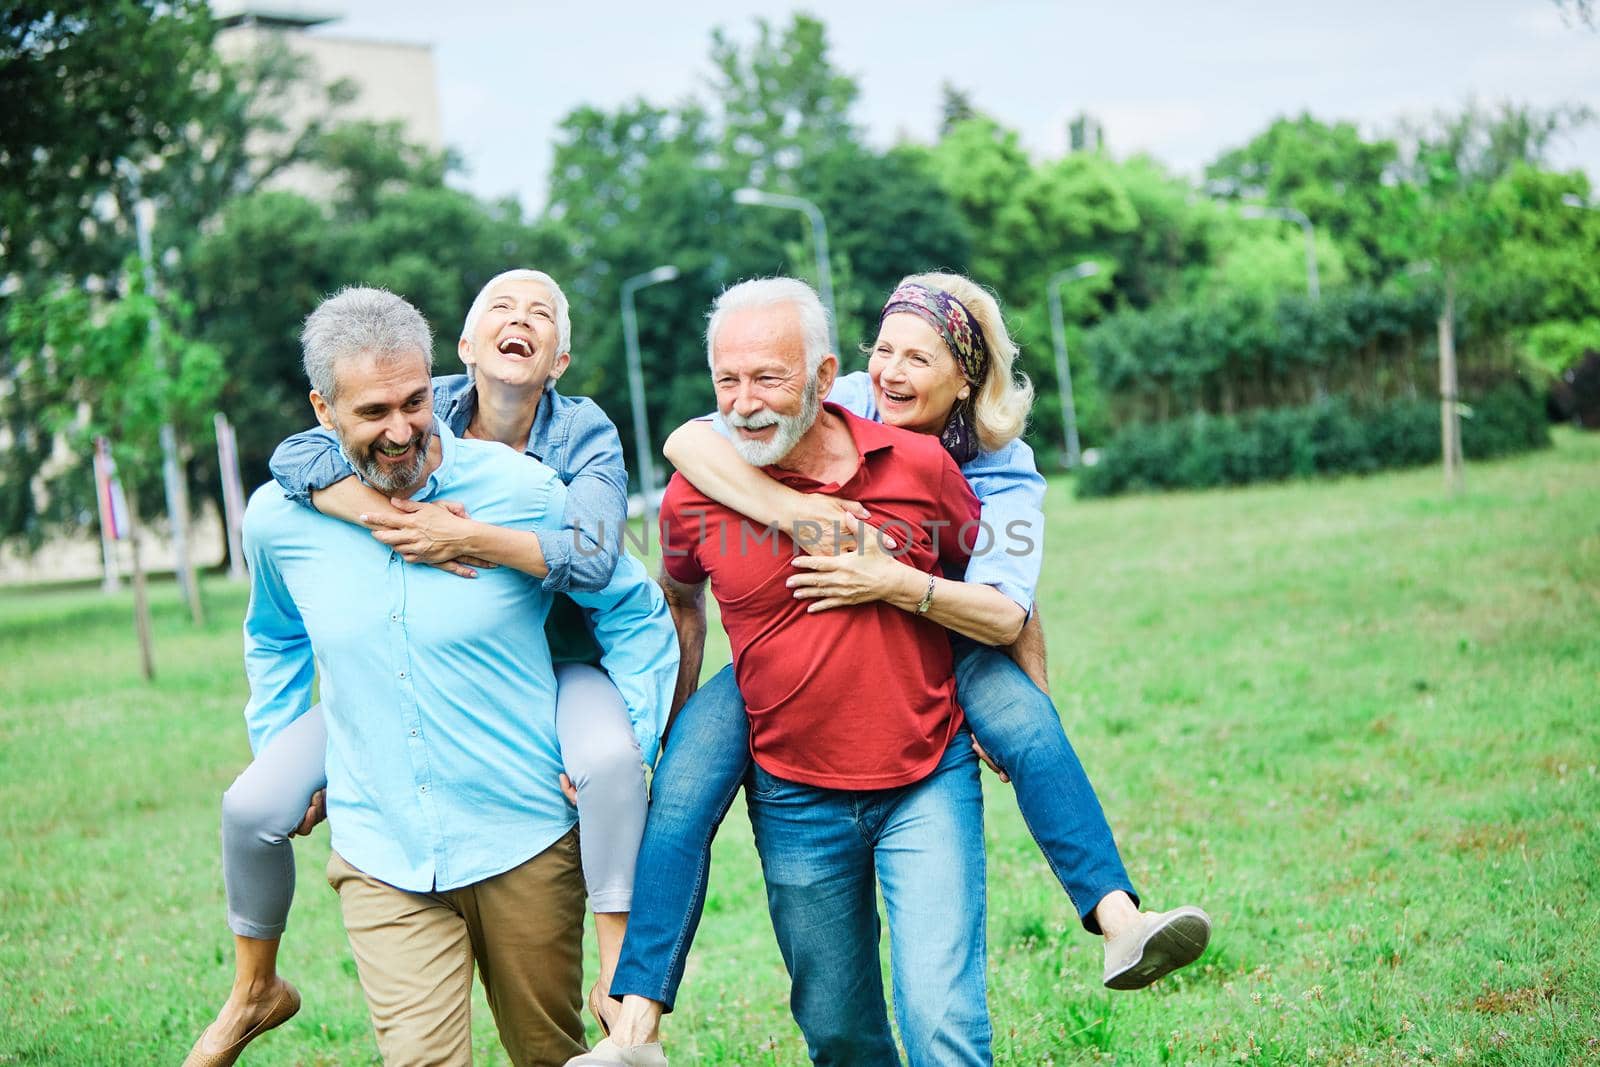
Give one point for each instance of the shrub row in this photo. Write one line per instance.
(1245, 353)
(1329, 438)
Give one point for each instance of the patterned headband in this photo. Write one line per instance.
(954, 322)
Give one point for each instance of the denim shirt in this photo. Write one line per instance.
(570, 435)
(438, 693)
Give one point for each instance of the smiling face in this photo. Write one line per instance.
(515, 340)
(383, 416)
(758, 367)
(915, 379)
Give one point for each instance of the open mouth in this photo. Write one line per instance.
(393, 451)
(516, 346)
(897, 398)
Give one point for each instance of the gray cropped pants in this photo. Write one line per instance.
(598, 750)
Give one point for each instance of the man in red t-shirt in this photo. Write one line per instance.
(863, 772)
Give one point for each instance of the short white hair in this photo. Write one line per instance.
(480, 304)
(356, 320)
(771, 292)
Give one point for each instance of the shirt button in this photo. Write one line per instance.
(422, 789)
(402, 674)
(395, 617)
(413, 733)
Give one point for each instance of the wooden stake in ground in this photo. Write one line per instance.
(232, 495)
(1449, 398)
(113, 512)
(141, 596)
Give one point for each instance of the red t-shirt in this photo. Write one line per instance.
(859, 697)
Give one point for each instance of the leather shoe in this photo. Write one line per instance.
(282, 1010)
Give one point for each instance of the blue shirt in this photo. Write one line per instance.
(570, 435)
(1010, 548)
(438, 693)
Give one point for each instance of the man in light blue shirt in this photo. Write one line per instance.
(452, 841)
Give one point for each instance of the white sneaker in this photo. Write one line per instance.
(610, 1054)
(1162, 942)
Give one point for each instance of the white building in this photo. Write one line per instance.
(394, 82)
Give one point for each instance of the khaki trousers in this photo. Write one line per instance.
(415, 951)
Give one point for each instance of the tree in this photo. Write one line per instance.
(1332, 174)
(122, 369)
(779, 101)
(89, 83)
(955, 106)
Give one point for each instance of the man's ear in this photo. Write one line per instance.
(559, 367)
(827, 371)
(323, 409)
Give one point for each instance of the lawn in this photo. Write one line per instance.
(1356, 720)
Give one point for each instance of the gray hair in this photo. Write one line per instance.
(480, 304)
(771, 292)
(356, 320)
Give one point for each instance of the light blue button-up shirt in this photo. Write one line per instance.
(439, 697)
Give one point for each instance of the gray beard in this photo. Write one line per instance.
(790, 429)
(390, 481)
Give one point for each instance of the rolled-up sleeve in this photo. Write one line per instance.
(583, 557)
(1010, 549)
(307, 462)
(638, 642)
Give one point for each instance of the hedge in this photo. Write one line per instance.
(1243, 353)
(1328, 438)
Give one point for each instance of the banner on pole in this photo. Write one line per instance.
(108, 490)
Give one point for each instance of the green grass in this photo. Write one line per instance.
(1355, 720)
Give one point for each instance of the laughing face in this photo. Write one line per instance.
(758, 368)
(915, 379)
(514, 341)
(383, 416)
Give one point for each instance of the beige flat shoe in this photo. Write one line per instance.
(598, 1002)
(610, 1054)
(1161, 943)
(283, 1009)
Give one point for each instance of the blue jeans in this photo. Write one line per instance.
(1019, 727)
(703, 763)
(823, 854)
(708, 753)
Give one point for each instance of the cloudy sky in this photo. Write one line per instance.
(1180, 80)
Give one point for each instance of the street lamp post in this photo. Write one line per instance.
(641, 423)
(819, 233)
(1289, 214)
(1058, 329)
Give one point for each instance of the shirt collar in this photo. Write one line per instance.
(869, 438)
(447, 455)
(463, 404)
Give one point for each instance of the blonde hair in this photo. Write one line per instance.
(1000, 408)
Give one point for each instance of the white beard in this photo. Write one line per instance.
(790, 429)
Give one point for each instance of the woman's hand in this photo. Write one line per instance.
(867, 573)
(438, 534)
(825, 525)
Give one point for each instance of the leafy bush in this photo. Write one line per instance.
(1329, 438)
(1247, 353)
